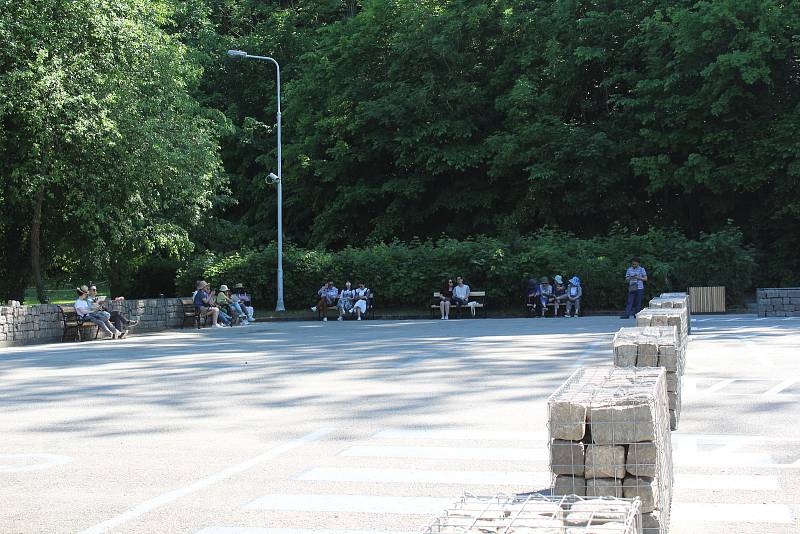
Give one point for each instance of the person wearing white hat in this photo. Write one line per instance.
(574, 294)
(224, 300)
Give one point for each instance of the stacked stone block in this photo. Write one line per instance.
(677, 317)
(539, 514)
(674, 300)
(609, 437)
(43, 323)
(655, 346)
(778, 302)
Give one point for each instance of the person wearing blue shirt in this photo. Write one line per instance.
(635, 277)
(203, 303)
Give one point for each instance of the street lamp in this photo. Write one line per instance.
(275, 179)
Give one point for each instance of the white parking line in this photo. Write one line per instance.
(21, 462)
(535, 479)
(780, 387)
(727, 482)
(165, 498)
(437, 453)
(477, 434)
(730, 513)
(351, 504)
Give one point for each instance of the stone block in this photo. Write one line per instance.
(672, 381)
(652, 522)
(673, 399)
(567, 420)
(567, 457)
(670, 357)
(598, 512)
(603, 487)
(569, 485)
(645, 488)
(605, 461)
(623, 423)
(648, 355)
(642, 459)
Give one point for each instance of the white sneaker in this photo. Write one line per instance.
(217, 325)
(325, 319)
(358, 319)
(245, 323)
(314, 309)
(251, 319)
(446, 318)
(340, 318)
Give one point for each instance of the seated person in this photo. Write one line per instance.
(532, 293)
(362, 301)
(559, 292)
(574, 294)
(460, 294)
(327, 296)
(226, 304)
(347, 299)
(244, 301)
(88, 311)
(204, 305)
(224, 318)
(119, 321)
(445, 296)
(545, 293)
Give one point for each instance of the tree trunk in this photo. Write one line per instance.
(36, 230)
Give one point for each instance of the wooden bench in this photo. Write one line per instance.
(335, 308)
(478, 297)
(71, 323)
(530, 308)
(190, 313)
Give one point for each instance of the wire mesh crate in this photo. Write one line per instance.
(654, 346)
(674, 300)
(534, 513)
(609, 436)
(677, 317)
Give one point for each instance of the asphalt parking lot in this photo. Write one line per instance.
(366, 427)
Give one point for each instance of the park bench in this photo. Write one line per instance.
(190, 313)
(73, 323)
(335, 308)
(478, 297)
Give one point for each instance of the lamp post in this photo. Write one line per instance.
(275, 179)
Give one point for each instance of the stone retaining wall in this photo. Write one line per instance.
(43, 323)
(778, 302)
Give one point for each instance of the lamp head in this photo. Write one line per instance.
(273, 178)
(237, 54)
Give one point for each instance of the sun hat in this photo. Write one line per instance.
(201, 284)
(238, 286)
(82, 290)
(223, 288)
(575, 281)
(544, 280)
(558, 279)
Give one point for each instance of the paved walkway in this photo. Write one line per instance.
(357, 428)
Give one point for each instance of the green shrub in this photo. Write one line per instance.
(405, 274)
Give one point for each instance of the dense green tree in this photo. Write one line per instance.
(106, 158)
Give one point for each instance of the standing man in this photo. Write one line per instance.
(635, 277)
(327, 297)
(460, 294)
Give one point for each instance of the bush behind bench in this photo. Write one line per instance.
(405, 273)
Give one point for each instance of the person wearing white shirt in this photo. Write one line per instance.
(361, 300)
(635, 277)
(84, 310)
(460, 294)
